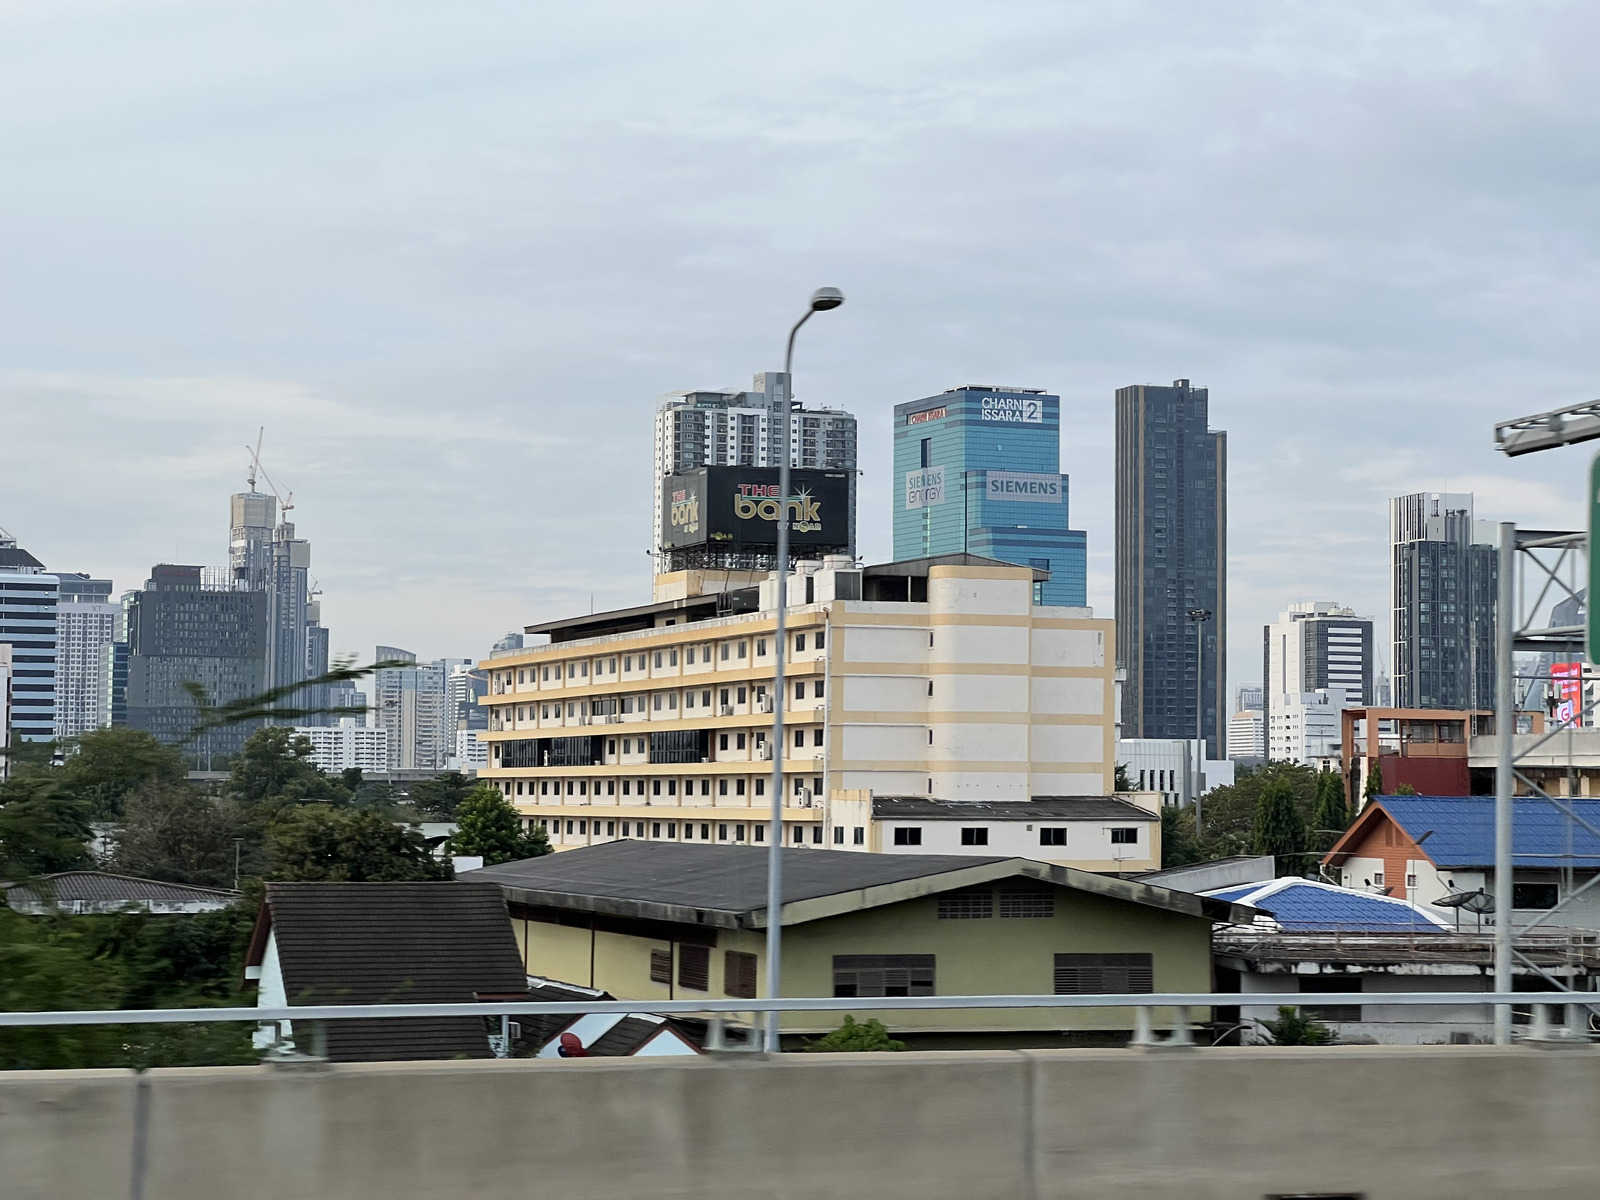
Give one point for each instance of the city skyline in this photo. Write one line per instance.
(1360, 316)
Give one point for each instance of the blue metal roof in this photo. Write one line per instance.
(1308, 905)
(1460, 830)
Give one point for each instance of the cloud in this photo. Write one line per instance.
(449, 257)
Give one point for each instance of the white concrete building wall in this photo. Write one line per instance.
(83, 630)
(1247, 735)
(1304, 726)
(347, 745)
(1088, 846)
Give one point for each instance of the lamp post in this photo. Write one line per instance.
(1199, 616)
(821, 301)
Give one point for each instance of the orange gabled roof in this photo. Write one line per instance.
(1358, 830)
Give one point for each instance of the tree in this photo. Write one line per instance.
(319, 842)
(1229, 812)
(110, 763)
(1375, 779)
(173, 832)
(440, 796)
(490, 826)
(1294, 1028)
(1124, 782)
(1404, 789)
(275, 764)
(43, 827)
(1279, 829)
(855, 1038)
(1179, 847)
(1331, 815)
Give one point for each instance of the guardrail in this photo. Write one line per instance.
(1143, 1003)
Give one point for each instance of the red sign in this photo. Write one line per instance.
(929, 414)
(1567, 679)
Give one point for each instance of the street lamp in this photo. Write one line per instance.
(822, 300)
(1199, 616)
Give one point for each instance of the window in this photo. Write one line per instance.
(858, 837)
(722, 833)
(816, 736)
(661, 967)
(908, 836)
(572, 670)
(738, 787)
(1533, 895)
(739, 974)
(658, 658)
(761, 647)
(820, 643)
(883, 974)
(655, 829)
(799, 738)
(722, 696)
(976, 835)
(838, 835)
(799, 642)
(738, 833)
(672, 658)
(724, 654)
(722, 787)
(738, 741)
(930, 687)
(816, 689)
(816, 835)
(611, 829)
(1093, 974)
(741, 649)
(1015, 904)
(1125, 837)
(966, 906)
(1331, 983)
(694, 968)
(1053, 837)
(1377, 881)
(1411, 881)
(705, 831)
(741, 695)
(547, 675)
(800, 690)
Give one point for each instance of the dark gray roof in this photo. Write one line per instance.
(15, 558)
(920, 566)
(393, 943)
(726, 886)
(1040, 808)
(104, 887)
(630, 1034)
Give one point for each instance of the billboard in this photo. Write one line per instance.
(1566, 680)
(737, 509)
(925, 487)
(1027, 488)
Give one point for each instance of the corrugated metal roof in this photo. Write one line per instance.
(396, 943)
(104, 887)
(1460, 830)
(1306, 905)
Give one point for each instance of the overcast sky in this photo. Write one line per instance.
(450, 254)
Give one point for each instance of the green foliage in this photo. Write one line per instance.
(1404, 789)
(1279, 829)
(275, 765)
(855, 1038)
(131, 960)
(1228, 814)
(1331, 815)
(1374, 785)
(1124, 782)
(490, 826)
(1179, 847)
(176, 833)
(440, 796)
(1294, 1028)
(110, 763)
(320, 842)
(43, 827)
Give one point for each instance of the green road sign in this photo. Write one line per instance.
(1591, 631)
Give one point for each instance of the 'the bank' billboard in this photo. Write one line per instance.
(737, 509)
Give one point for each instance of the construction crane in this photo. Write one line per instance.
(285, 503)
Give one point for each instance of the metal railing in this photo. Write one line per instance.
(1144, 1005)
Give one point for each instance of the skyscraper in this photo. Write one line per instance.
(1443, 576)
(1317, 646)
(734, 428)
(977, 470)
(86, 626)
(1172, 555)
(181, 631)
(412, 702)
(29, 597)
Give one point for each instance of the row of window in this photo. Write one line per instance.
(733, 832)
(657, 787)
(599, 667)
(914, 974)
(1049, 835)
(659, 701)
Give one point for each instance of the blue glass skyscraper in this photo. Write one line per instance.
(978, 470)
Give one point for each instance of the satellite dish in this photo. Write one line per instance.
(1477, 902)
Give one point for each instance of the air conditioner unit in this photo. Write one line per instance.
(803, 798)
(725, 711)
(583, 720)
(764, 752)
(766, 704)
(613, 719)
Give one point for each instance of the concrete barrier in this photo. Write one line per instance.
(1414, 1122)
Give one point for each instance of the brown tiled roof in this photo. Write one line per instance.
(396, 943)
